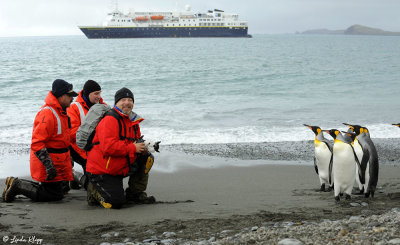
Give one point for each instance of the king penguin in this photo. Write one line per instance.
(322, 156)
(343, 165)
(362, 155)
(370, 162)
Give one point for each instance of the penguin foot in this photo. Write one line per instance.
(322, 188)
(348, 197)
(341, 194)
(337, 199)
(366, 195)
(360, 192)
(329, 189)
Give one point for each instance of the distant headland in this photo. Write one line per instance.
(353, 30)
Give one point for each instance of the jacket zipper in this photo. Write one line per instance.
(109, 158)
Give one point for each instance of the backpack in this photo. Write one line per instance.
(87, 130)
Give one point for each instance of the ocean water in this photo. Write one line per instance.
(212, 90)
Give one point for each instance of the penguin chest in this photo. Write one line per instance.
(322, 154)
(358, 150)
(344, 165)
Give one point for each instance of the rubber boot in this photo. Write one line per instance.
(94, 197)
(135, 192)
(140, 198)
(15, 186)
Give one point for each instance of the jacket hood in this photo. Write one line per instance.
(52, 101)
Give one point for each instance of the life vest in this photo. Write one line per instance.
(51, 130)
(115, 149)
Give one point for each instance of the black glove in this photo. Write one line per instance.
(44, 157)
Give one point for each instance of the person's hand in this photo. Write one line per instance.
(140, 147)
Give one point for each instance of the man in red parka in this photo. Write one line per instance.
(117, 154)
(49, 157)
(87, 97)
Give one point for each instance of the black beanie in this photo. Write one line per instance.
(61, 87)
(123, 93)
(89, 87)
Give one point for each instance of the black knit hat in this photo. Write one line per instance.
(61, 87)
(89, 87)
(123, 93)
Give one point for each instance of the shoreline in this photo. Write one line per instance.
(388, 150)
(197, 204)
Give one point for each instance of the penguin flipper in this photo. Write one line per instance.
(315, 165)
(361, 173)
(330, 170)
(328, 144)
(365, 159)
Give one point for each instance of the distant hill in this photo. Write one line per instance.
(354, 30)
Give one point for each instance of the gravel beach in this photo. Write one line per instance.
(271, 203)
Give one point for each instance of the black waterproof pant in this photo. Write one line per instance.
(49, 191)
(110, 188)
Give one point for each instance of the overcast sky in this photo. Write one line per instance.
(61, 17)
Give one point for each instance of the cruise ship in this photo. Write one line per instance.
(214, 23)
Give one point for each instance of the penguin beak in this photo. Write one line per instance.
(308, 126)
(347, 133)
(349, 125)
(397, 125)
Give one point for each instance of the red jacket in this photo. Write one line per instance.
(75, 115)
(110, 155)
(51, 130)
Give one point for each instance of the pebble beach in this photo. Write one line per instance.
(272, 202)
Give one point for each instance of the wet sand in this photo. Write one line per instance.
(197, 203)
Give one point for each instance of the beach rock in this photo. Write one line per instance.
(365, 204)
(152, 240)
(354, 204)
(254, 228)
(288, 224)
(105, 243)
(169, 234)
(106, 235)
(394, 241)
(150, 231)
(168, 241)
(212, 239)
(290, 241)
